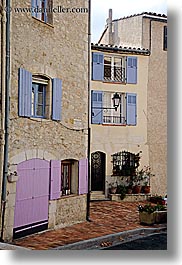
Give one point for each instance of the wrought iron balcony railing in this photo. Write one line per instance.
(114, 74)
(114, 119)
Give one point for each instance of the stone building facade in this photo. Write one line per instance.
(48, 117)
(148, 31)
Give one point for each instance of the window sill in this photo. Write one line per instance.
(113, 124)
(68, 196)
(38, 119)
(113, 82)
(43, 22)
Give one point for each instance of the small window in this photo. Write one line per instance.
(110, 115)
(165, 38)
(69, 177)
(103, 111)
(125, 163)
(114, 69)
(38, 100)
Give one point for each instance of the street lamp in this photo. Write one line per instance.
(116, 101)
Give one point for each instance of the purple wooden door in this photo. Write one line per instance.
(32, 197)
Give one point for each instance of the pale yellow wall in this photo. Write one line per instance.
(135, 32)
(112, 139)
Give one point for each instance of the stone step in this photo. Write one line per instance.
(97, 196)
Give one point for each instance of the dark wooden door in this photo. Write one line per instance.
(98, 171)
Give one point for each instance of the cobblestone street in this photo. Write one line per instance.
(107, 217)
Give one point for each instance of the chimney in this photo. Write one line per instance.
(110, 27)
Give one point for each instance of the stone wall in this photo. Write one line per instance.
(67, 211)
(157, 109)
(58, 50)
(130, 197)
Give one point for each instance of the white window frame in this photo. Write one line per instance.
(110, 115)
(123, 69)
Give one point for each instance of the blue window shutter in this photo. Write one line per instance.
(131, 70)
(97, 105)
(56, 99)
(131, 109)
(83, 176)
(34, 6)
(97, 66)
(45, 13)
(55, 179)
(24, 93)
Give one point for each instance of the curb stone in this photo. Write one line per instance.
(6, 246)
(112, 239)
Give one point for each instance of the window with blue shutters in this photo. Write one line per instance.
(40, 10)
(114, 68)
(131, 70)
(34, 96)
(103, 111)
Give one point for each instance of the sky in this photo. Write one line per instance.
(121, 8)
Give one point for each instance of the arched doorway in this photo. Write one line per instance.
(98, 164)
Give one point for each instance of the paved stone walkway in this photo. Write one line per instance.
(107, 217)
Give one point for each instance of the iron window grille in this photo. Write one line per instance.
(125, 163)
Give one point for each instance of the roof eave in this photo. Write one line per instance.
(120, 49)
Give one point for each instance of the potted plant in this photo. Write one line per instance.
(129, 189)
(136, 183)
(157, 199)
(113, 187)
(142, 180)
(149, 214)
(146, 175)
(121, 189)
(146, 188)
(146, 214)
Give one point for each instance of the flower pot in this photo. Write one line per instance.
(147, 218)
(137, 189)
(146, 189)
(161, 217)
(129, 191)
(113, 190)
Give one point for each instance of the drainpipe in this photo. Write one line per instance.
(3, 51)
(7, 110)
(89, 63)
